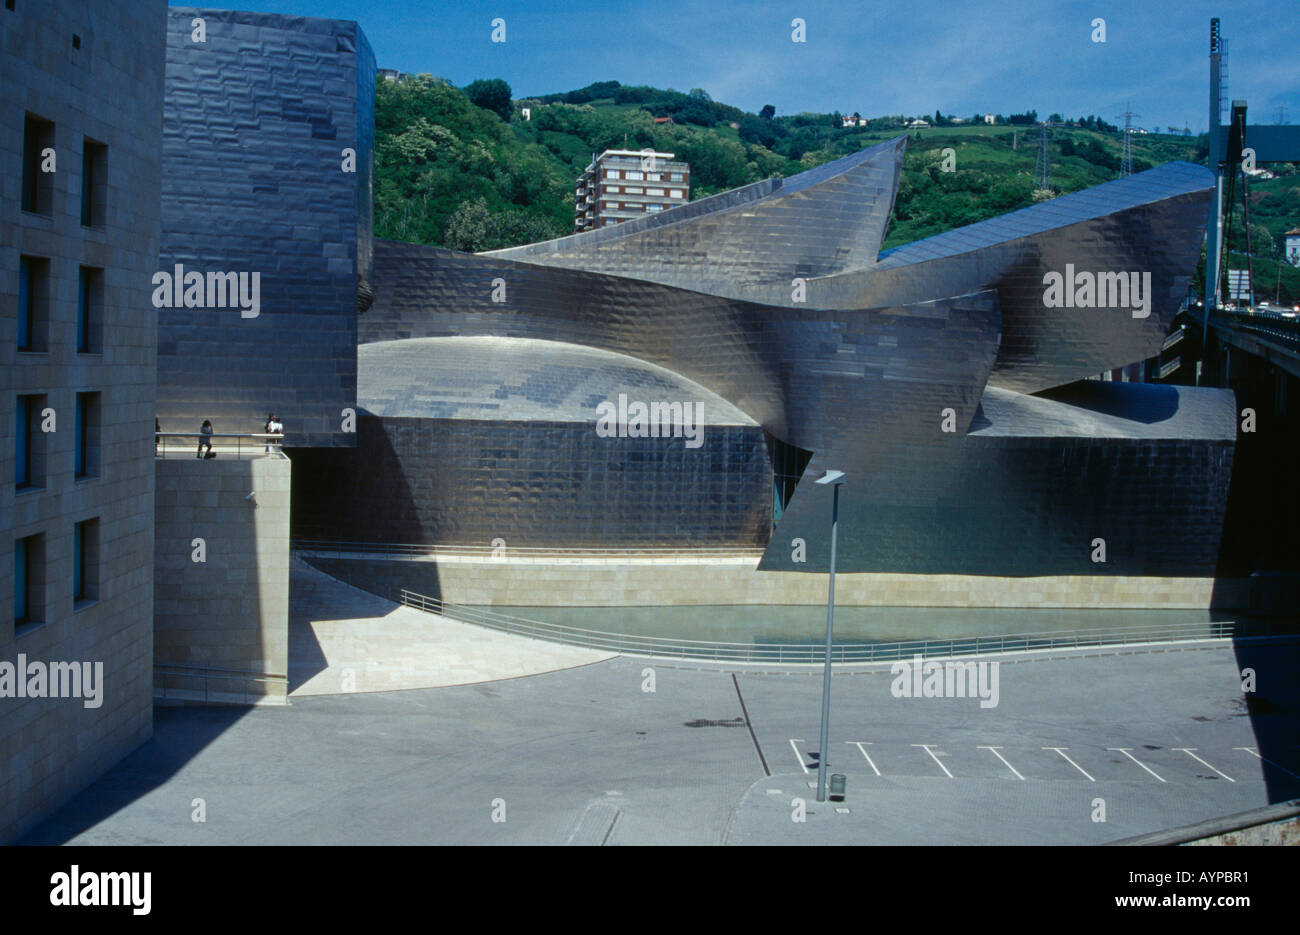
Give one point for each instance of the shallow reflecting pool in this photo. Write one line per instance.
(803, 624)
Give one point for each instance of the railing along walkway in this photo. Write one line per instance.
(212, 685)
(414, 551)
(246, 445)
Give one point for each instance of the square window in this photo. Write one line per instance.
(29, 448)
(29, 583)
(33, 304)
(90, 310)
(38, 165)
(86, 436)
(94, 182)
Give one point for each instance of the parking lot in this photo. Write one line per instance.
(632, 750)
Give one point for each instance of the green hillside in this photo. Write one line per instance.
(450, 172)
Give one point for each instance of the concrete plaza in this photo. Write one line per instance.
(587, 755)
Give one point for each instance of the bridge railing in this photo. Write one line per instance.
(246, 445)
(814, 649)
(1276, 325)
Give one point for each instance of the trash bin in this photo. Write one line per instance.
(837, 787)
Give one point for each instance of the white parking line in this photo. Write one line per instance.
(926, 747)
(799, 756)
(861, 745)
(1125, 751)
(1061, 750)
(1188, 751)
(1253, 752)
(994, 751)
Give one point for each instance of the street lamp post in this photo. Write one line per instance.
(836, 480)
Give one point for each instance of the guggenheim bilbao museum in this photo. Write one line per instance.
(680, 380)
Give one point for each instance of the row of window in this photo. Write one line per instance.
(658, 192)
(30, 580)
(34, 302)
(636, 175)
(40, 165)
(633, 206)
(35, 420)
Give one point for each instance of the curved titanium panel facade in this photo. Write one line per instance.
(256, 121)
(470, 440)
(823, 221)
(769, 362)
(1152, 223)
(1144, 467)
(909, 373)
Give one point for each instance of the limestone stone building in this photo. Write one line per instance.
(80, 121)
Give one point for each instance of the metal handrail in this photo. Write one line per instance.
(211, 673)
(842, 652)
(274, 441)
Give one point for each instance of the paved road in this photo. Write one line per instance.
(588, 756)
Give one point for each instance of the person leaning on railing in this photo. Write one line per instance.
(205, 438)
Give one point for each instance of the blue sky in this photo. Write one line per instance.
(876, 58)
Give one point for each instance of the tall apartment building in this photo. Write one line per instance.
(80, 126)
(621, 184)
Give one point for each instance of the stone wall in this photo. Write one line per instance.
(224, 619)
(531, 582)
(86, 70)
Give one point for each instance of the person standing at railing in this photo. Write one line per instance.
(275, 427)
(205, 439)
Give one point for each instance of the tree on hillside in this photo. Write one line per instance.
(768, 112)
(467, 228)
(757, 130)
(491, 94)
(695, 112)
(472, 227)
